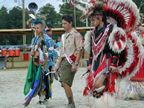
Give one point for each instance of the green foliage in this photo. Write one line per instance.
(66, 9)
(13, 19)
(140, 5)
(3, 18)
(52, 17)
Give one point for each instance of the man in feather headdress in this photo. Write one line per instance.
(114, 46)
(103, 60)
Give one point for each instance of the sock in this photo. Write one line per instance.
(70, 100)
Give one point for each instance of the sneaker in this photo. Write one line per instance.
(41, 99)
(100, 89)
(98, 92)
(27, 101)
(72, 105)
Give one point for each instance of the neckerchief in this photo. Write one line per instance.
(67, 57)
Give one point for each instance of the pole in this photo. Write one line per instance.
(86, 20)
(23, 21)
(74, 14)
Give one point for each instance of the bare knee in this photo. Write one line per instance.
(64, 84)
(100, 82)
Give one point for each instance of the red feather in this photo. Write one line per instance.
(71, 4)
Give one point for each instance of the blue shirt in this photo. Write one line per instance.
(50, 48)
(58, 44)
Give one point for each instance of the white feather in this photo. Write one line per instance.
(81, 1)
(32, 16)
(80, 7)
(87, 41)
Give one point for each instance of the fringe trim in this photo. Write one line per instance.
(130, 57)
(113, 43)
(138, 43)
(87, 41)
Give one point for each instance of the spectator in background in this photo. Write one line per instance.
(49, 32)
(59, 41)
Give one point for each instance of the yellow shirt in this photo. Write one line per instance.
(71, 43)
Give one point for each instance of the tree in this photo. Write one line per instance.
(11, 20)
(66, 9)
(3, 23)
(52, 17)
(15, 18)
(3, 18)
(140, 4)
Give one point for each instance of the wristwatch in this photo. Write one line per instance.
(76, 63)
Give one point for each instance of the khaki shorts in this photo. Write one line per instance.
(67, 75)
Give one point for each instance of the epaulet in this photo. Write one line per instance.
(76, 31)
(87, 41)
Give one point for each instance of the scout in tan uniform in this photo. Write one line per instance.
(71, 50)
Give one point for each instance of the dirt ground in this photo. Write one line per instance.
(11, 93)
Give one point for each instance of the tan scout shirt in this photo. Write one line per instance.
(72, 43)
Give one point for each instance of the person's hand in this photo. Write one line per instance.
(113, 69)
(89, 68)
(41, 34)
(74, 68)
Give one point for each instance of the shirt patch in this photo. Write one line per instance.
(77, 34)
(78, 38)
